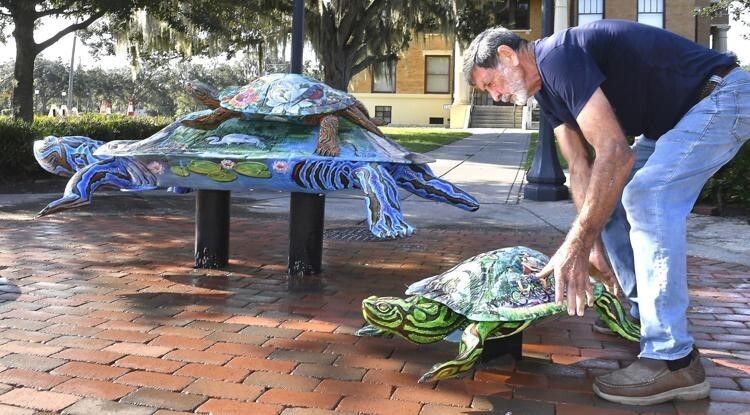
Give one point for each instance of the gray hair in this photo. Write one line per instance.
(482, 51)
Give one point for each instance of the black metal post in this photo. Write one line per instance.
(511, 345)
(545, 177)
(306, 211)
(298, 30)
(212, 228)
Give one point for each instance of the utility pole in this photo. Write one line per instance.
(71, 73)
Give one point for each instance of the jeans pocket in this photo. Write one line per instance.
(741, 126)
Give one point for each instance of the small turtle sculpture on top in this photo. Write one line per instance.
(242, 154)
(284, 97)
(492, 295)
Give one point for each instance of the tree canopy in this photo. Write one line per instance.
(25, 15)
(347, 35)
(152, 28)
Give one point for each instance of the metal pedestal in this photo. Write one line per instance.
(212, 228)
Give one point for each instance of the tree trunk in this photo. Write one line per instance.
(26, 52)
(336, 72)
(261, 60)
(336, 80)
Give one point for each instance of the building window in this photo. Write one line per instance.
(651, 12)
(590, 10)
(437, 75)
(384, 113)
(514, 15)
(384, 77)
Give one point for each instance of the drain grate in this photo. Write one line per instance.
(363, 235)
(352, 234)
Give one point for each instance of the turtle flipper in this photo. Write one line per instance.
(371, 331)
(328, 143)
(420, 180)
(611, 311)
(113, 172)
(385, 218)
(469, 350)
(360, 118)
(375, 120)
(212, 120)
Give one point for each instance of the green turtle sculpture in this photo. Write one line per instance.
(495, 294)
(286, 97)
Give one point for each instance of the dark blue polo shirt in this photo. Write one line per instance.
(650, 76)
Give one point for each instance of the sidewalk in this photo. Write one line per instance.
(101, 311)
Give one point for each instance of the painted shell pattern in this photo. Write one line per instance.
(285, 95)
(252, 148)
(499, 285)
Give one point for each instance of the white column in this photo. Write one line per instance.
(460, 86)
(561, 15)
(719, 37)
(460, 108)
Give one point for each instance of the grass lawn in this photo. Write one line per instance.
(422, 140)
(532, 151)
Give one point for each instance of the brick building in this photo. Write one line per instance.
(425, 86)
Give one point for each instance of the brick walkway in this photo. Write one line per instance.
(103, 315)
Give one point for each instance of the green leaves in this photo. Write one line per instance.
(253, 169)
(17, 137)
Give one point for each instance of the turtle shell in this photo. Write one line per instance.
(286, 95)
(237, 139)
(499, 285)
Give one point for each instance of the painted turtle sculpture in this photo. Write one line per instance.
(286, 97)
(492, 295)
(241, 154)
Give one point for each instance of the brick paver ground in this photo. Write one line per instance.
(104, 315)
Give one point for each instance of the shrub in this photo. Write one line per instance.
(17, 137)
(729, 186)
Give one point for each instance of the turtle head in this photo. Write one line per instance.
(64, 156)
(414, 318)
(385, 313)
(203, 93)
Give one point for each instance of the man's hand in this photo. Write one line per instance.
(570, 265)
(600, 268)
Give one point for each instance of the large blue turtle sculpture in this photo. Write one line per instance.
(244, 154)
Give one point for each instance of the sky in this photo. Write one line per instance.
(62, 49)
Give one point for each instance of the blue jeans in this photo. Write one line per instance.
(645, 237)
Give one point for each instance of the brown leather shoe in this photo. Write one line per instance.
(649, 382)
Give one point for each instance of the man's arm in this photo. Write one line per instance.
(607, 177)
(609, 172)
(573, 147)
